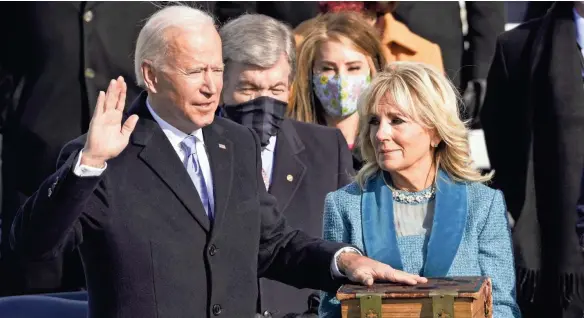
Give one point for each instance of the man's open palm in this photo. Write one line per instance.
(107, 137)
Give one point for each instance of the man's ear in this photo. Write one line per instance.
(150, 76)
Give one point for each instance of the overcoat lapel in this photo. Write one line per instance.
(159, 155)
(220, 150)
(450, 215)
(379, 235)
(289, 170)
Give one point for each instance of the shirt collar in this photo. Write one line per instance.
(579, 28)
(174, 135)
(271, 146)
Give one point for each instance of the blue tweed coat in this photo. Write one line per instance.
(470, 236)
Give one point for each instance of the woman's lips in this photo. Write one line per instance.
(389, 150)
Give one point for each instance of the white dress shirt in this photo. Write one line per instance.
(579, 32)
(268, 157)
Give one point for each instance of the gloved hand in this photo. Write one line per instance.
(473, 98)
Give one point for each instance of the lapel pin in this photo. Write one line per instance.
(290, 178)
(222, 146)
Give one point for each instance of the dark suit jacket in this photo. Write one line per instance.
(533, 118)
(148, 248)
(309, 162)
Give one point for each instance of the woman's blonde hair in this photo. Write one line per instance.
(349, 28)
(426, 96)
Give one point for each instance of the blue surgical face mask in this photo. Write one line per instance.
(338, 94)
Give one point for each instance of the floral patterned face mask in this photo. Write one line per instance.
(339, 94)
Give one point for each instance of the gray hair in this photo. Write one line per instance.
(258, 40)
(152, 44)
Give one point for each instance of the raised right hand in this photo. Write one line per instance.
(107, 137)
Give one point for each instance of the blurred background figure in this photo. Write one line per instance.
(533, 118)
(290, 12)
(441, 23)
(398, 42)
(58, 56)
(335, 64)
(536, 9)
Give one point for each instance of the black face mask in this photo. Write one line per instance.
(263, 115)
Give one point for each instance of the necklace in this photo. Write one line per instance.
(412, 197)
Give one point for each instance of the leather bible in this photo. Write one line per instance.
(452, 297)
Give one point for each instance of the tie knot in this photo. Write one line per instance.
(189, 145)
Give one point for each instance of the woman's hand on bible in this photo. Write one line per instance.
(107, 137)
(364, 270)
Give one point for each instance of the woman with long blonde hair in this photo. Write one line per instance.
(335, 64)
(418, 204)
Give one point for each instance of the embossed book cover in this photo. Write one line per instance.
(460, 297)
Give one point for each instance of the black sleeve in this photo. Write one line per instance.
(507, 132)
(49, 222)
(346, 171)
(288, 255)
(486, 20)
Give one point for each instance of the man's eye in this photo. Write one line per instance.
(246, 90)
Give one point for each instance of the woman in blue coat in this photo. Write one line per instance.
(418, 204)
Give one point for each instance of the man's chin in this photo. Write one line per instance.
(204, 120)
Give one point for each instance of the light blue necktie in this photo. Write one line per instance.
(191, 163)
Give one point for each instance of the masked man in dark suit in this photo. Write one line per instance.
(168, 206)
(301, 162)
